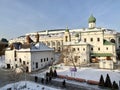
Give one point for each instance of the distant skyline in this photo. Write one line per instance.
(18, 17)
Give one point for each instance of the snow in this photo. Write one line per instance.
(87, 73)
(29, 86)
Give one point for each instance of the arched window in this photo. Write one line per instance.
(112, 40)
(66, 38)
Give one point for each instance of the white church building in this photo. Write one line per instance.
(34, 57)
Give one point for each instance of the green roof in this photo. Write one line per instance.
(92, 19)
(105, 42)
(67, 30)
(101, 54)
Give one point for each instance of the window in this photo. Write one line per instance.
(27, 62)
(91, 39)
(44, 59)
(112, 40)
(23, 62)
(20, 60)
(98, 39)
(51, 58)
(36, 64)
(47, 59)
(92, 49)
(78, 49)
(85, 40)
(83, 49)
(41, 60)
(66, 38)
(15, 59)
(16, 65)
(99, 49)
(73, 49)
(106, 48)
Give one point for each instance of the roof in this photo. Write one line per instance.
(91, 19)
(67, 30)
(101, 54)
(37, 47)
(105, 42)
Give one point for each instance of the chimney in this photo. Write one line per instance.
(37, 37)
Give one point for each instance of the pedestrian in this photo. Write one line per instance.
(42, 80)
(36, 78)
(64, 83)
(50, 78)
(46, 81)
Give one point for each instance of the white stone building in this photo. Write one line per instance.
(80, 51)
(35, 57)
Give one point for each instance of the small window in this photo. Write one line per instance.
(92, 49)
(44, 59)
(99, 49)
(98, 39)
(15, 59)
(78, 49)
(85, 40)
(106, 48)
(27, 62)
(83, 49)
(73, 49)
(91, 39)
(23, 62)
(41, 60)
(36, 64)
(20, 60)
(51, 58)
(47, 59)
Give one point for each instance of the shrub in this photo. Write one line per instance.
(115, 85)
(108, 82)
(101, 81)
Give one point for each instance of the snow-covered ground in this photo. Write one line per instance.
(29, 86)
(87, 73)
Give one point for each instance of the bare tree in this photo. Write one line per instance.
(69, 55)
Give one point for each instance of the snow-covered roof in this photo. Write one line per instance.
(37, 47)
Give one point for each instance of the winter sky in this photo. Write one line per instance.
(18, 17)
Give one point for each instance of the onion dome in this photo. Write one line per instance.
(92, 19)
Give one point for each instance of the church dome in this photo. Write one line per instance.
(92, 19)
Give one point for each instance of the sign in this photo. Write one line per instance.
(73, 69)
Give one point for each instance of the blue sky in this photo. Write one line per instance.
(18, 17)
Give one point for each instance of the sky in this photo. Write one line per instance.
(18, 17)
